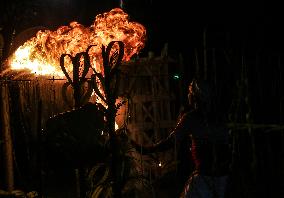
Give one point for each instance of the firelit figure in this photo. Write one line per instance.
(209, 144)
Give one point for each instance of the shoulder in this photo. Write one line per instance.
(191, 115)
(185, 116)
(188, 119)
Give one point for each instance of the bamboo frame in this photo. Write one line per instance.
(7, 138)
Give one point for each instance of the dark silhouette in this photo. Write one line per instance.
(208, 141)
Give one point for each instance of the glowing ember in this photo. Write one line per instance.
(41, 53)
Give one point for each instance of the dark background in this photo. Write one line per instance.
(249, 23)
(247, 39)
(234, 24)
(248, 29)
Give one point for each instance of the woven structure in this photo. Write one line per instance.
(152, 106)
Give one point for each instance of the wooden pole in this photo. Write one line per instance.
(7, 139)
(280, 89)
(181, 81)
(205, 54)
(197, 69)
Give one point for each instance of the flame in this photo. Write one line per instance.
(41, 53)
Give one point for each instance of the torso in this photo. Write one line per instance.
(209, 145)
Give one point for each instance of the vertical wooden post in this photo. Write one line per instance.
(181, 81)
(78, 184)
(281, 93)
(216, 90)
(39, 140)
(214, 67)
(205, 54)
(197, 69)
(281, 101)
(7, 139)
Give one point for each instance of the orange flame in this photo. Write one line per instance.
(41, 53)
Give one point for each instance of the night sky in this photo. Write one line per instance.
(166, 21)
(243, 28)
(180, 23)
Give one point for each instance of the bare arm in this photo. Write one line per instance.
(175, 137)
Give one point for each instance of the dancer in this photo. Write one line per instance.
(209, 144)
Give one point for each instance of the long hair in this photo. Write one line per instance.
(201, 94)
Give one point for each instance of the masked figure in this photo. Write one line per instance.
(209, 144)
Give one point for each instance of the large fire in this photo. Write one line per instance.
(41, 54)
